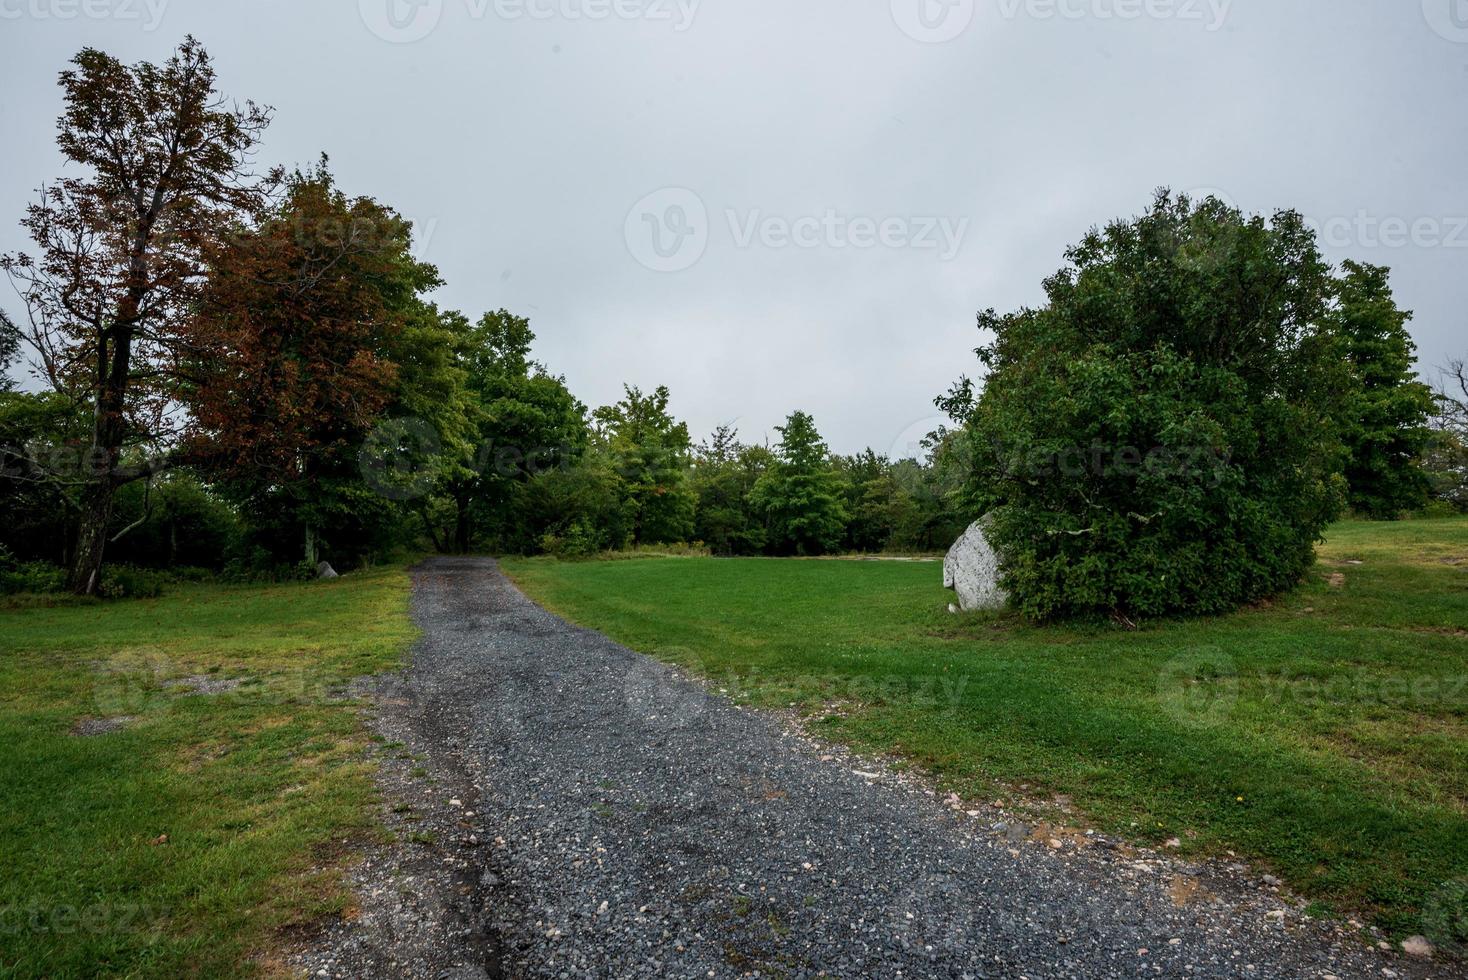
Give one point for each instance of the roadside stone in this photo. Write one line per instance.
(972, 570)
(325, 571)
(1418, 946)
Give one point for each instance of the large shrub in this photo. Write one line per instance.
(1162, 435)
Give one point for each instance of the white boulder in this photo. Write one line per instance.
(972, 570)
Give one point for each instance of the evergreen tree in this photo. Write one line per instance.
(800, 496)
(1163, 435)
(1386, 431)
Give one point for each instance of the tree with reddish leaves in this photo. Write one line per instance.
(310, 330)
(119, 267)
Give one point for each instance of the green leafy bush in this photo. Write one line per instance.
(37, 577)
(1162, 436)
(579, 540)
(132, 582)
(259, 565)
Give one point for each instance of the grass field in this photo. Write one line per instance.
(191, 840)
(1324, 736)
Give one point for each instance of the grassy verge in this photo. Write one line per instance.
(1325, 736)
(209, 822)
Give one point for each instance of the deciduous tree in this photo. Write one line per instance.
(650, 451)
(725, 472)
(524, 422)
(1163, 435)
(310, 333)
(165, 169)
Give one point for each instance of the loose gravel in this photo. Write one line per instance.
(565, 807)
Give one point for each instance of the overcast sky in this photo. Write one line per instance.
(779, 204)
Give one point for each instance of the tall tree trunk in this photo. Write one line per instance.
(91, 538)
(431, 528)
(310, 545)
(114, 354)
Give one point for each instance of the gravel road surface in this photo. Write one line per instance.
(566, 807)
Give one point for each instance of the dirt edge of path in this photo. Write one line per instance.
(423, 896)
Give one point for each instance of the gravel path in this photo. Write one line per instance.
(598, 815)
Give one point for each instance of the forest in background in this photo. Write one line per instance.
(242, 375)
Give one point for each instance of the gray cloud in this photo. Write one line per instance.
(823, 141)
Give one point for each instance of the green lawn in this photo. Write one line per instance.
(1324, 736)
(260, 790)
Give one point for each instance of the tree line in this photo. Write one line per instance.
(243, 367)
(242, 371)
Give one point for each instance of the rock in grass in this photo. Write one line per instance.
(972, 570)
(1417, 946)
(324, 570)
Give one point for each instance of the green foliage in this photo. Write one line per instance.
(579, 540)
(877, 503)
(37, 577)
(725, 472)
(131, 582)
(586, 503)
(936, 518)
(41, 459)
(176, 520)
(651, 452)
(350, 404)
(525, 422)
(1386, 429)
(800, 494)
(1445, 463)
(1446, 459)
(9, 350)
(1163, 435)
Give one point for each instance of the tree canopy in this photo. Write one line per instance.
(165, 171)
(247, 369)
(1164, 434)
(1385, 429)
(800, 493)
